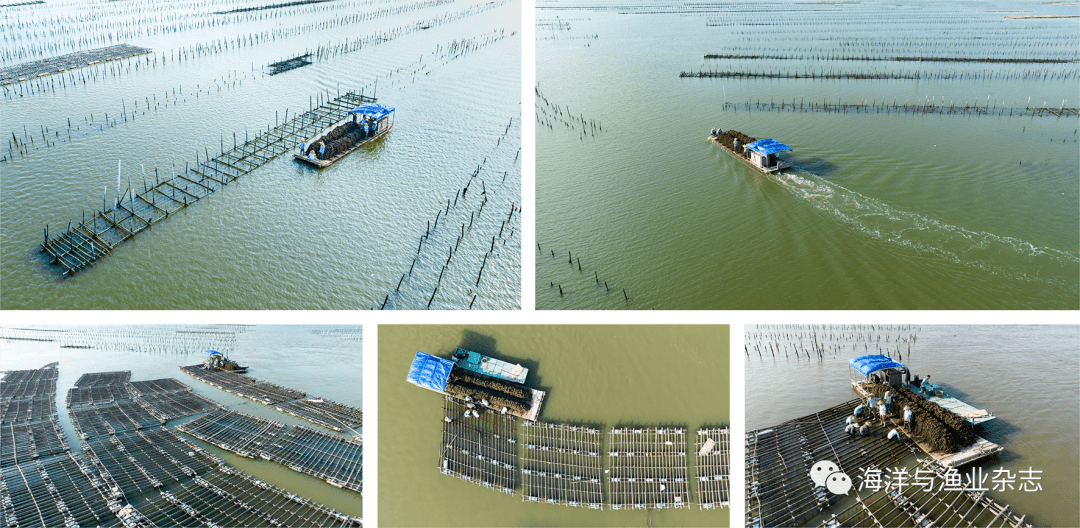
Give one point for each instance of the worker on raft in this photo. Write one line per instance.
(882, 412)
(851, 429)
(907, 415)
(858, 411)
(926, 386)
(888, 401)
(864, 429)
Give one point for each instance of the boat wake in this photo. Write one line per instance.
(1000, 255)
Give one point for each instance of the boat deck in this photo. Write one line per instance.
(495, 368)
(781, 165)
(330, 161)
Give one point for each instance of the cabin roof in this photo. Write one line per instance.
(874, 363)
(430, 372)
(375, 110)
(767, 146)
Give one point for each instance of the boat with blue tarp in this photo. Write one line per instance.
(876, 369)
(760, 154)
(490, 384)
(361, 125)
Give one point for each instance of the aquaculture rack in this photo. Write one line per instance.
(326, 413)
(923, 507)
(648, 468)
(92, 379)
(561, 464)
(237, 432)
(43, 67)
(481, 450)
(712, 467)
(166, 406)
(131, 213)
(331, 458)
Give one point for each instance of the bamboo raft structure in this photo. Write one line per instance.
(648, 468)
(780, 491)
(92, 379)
(96, 394)
(167, 406)
(481, 449)
(44, 67)
(298, 61)
(326, 413)
(927, 507)
(337, 461)
(132, 213)
(561, 464)
(128, 477)
(713, 467)
(232, 431)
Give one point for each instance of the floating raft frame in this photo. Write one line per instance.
(562, 464)
(648, 468)
(329, 414)
(713, 467)
(916, 505)
(337, 461)
(45, 67)
(481, 450)
(92, 238)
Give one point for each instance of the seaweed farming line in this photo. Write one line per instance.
(551, 113)
(270, 6)
(51, 137)
(429, 250)
(869, 58)
(149, 339)
(87, 242)
(129, 28)
(63, 63)
(926, 107)
(563, 464)
(934, 75)
(195, 51)
(581, 271)
(817, 341)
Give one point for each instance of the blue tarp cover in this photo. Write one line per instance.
(375, 110)
(767, 146)
(429, 372)
(211, 352)
(874, 363)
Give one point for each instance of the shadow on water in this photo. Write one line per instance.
(818, 166)
(486, 345)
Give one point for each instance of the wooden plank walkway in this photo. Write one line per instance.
(91, 238)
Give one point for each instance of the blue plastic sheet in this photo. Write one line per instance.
(429, 372)
(873, 363)
(767, 146)
(375, 110)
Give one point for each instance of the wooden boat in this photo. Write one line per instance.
(884, 370)
(360, 126)
(759, 155)
(433, 373)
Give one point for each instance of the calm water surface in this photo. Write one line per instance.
(284, 236)
(291, 356)
(668, 375)
(1028, 376)
(880, 211)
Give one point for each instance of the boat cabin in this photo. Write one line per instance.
(762, 154)
(881, 369)
(378, 117)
